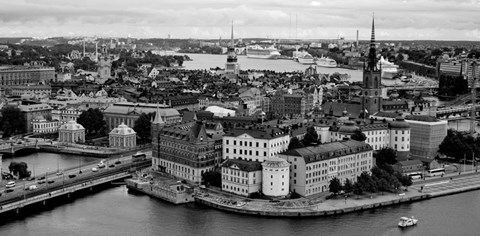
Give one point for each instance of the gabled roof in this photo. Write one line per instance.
(263, 133)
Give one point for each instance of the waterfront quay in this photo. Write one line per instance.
(320, 206)
(54, 185)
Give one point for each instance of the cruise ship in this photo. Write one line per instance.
(303, 57)
(389, 70)
(257, 51)
(326, 62)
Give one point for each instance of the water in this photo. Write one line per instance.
(40, 163)
(116, 212)
(207, 61)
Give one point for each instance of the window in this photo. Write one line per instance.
(234, 142)
(227, 141)
(257, 144)
(240, 143)
(226, 150)
(265, 145)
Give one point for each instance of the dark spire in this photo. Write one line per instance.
(372, 55)
(232, 56)
(232, 41)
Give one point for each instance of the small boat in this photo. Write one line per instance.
(406, 222)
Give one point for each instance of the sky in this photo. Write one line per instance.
(211, 19)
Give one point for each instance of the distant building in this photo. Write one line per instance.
(32, 90)
(71, 132)
(43, 126)
(408, 166)
(23, 75)
(128, 113)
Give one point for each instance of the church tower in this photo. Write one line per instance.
(371, 91)
(232, 66)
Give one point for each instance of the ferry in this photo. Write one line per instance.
(260, 52)
(326, 62)
(406, 222)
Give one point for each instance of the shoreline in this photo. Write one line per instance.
(340, 206)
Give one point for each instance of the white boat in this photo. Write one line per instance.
(258, 51)
(389, 70)
(406, 222)
(326, 62)
(303, 57)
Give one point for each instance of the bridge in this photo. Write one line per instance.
(52, 186)
(458, 112)
(14, 148)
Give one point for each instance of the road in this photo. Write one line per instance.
(62, 180)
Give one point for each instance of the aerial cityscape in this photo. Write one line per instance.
(221, 118)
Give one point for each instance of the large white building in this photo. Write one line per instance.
(313, 167)
(254, 144)
(241, 177)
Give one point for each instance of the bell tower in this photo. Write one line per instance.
(232, 66)
(371, 89)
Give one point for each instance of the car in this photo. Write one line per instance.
(94, 169)
(41, 178)
(111, 166)
(41, 182)
(72, 176)
(10, 184)
(31, 187)
(118, 162)
(101, 166)
(9, 190)
(31, 178)
(51, 181)
(59, 173)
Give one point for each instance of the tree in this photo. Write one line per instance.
(20, 169)
(335, 186)
(311, 137)
(12, 121)
(143, 126)
(359, 135)
(213, 178)
(295, 143)
(92, 120)
(348, 186)
(358, 189)
(385, 158)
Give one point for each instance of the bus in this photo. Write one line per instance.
(139, 156)
(415, 175)
(435, 172)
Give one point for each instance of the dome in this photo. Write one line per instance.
(275, 162)
(348, 127)
(123, 129)
(399, 123)
(71, 125)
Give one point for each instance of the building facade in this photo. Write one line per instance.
(312, 168)
(241, 177)
(427, 133)
(23, 75)
(254, 144)
(184, 150)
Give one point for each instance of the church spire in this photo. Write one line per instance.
(372, 55)
(158, 117)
